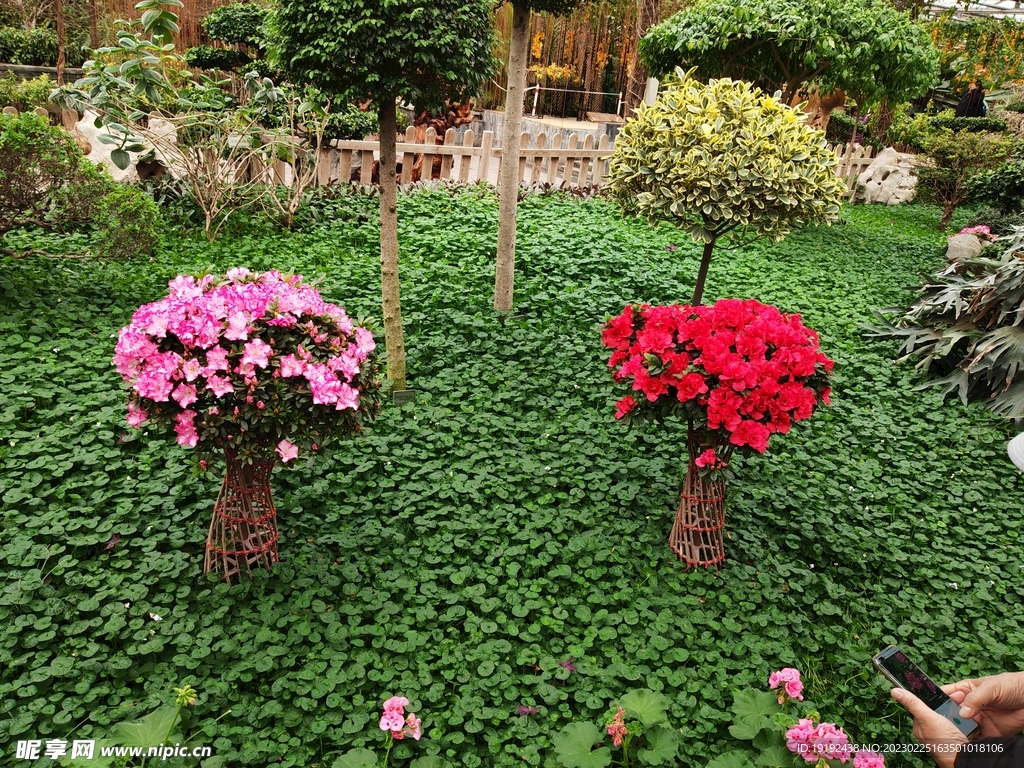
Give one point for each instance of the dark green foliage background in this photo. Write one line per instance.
(504, 522)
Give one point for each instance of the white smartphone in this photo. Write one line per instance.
(903, 673)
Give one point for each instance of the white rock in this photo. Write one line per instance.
(890, 179)
(960, 247)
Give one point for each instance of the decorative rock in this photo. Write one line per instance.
(889, 179)
(961, 247)
(10, 111)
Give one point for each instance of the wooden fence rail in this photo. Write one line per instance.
(556, 159)
(560, 159)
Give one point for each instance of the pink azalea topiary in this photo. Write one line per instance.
(248, 362)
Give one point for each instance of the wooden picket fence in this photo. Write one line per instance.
(853, 161)
(559, 159)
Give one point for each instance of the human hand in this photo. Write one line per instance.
(932, 729)
(996, 702)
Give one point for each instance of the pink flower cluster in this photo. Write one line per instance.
(745, 367)
(981, 231)
(395, 721)
(786, 684)
(812, 742)
(617, 727)
(219, 357)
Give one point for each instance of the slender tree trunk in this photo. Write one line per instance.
(394, 341)
(94, 29)
(702, 274)
(58, 10)
(504, 270)
(648, 14)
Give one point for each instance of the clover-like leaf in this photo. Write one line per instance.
(574, 747)
(647, 706)
(430, 761)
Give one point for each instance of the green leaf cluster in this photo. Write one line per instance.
(864, 47)
(242, 23)
(425, 51)
(25, 95)
(717, 157)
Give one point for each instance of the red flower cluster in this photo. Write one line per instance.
(745, 367)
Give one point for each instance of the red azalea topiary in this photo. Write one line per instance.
(739, 371)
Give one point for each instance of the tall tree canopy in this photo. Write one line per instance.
(423, 51)
(864, 47)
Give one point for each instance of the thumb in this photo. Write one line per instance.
(911, 703)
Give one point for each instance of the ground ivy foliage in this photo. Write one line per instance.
(500, 543)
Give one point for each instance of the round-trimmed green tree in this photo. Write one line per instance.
(423, 51)
(723, 158)
(866, 48)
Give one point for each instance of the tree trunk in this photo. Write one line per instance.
(702, 273)
(394, 341)
(648, 14)
(697, 533)
(58, 10)
(504, 269)
(94, 31)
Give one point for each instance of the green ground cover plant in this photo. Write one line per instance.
(494, 551)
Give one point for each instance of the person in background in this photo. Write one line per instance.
(973, 102)
(996, 702)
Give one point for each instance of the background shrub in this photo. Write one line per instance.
(207, 57)
(998, 222)
(1003, 187)
(238, 23)
(36, 159)
(25, 95)
(36, 47)
(969, 124)
(957, 158)
(128, 223)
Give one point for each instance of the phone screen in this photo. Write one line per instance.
(911, 677)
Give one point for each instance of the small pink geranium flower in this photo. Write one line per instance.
(287, 450)
(786, 683)
(865, 758)
(799, 740)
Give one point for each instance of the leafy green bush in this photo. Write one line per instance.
(967, 329)
(969, 124)
(1003, 187)
(238, 23)
(25, 95)
(723, 157)
(910, 131)
(36, 47)
(997, 221)
(36, 160)
(956, 159)
(1015, 106)
(208, 57)
(128, 223)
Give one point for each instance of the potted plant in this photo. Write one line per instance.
(257, 367)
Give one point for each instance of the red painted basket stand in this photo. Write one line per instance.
(259, 367)
(738, 372)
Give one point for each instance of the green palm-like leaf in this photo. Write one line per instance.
(775, 757)
(645, 705)
(735, 759)
(661, 746)
(356, 758)
(574, 747)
